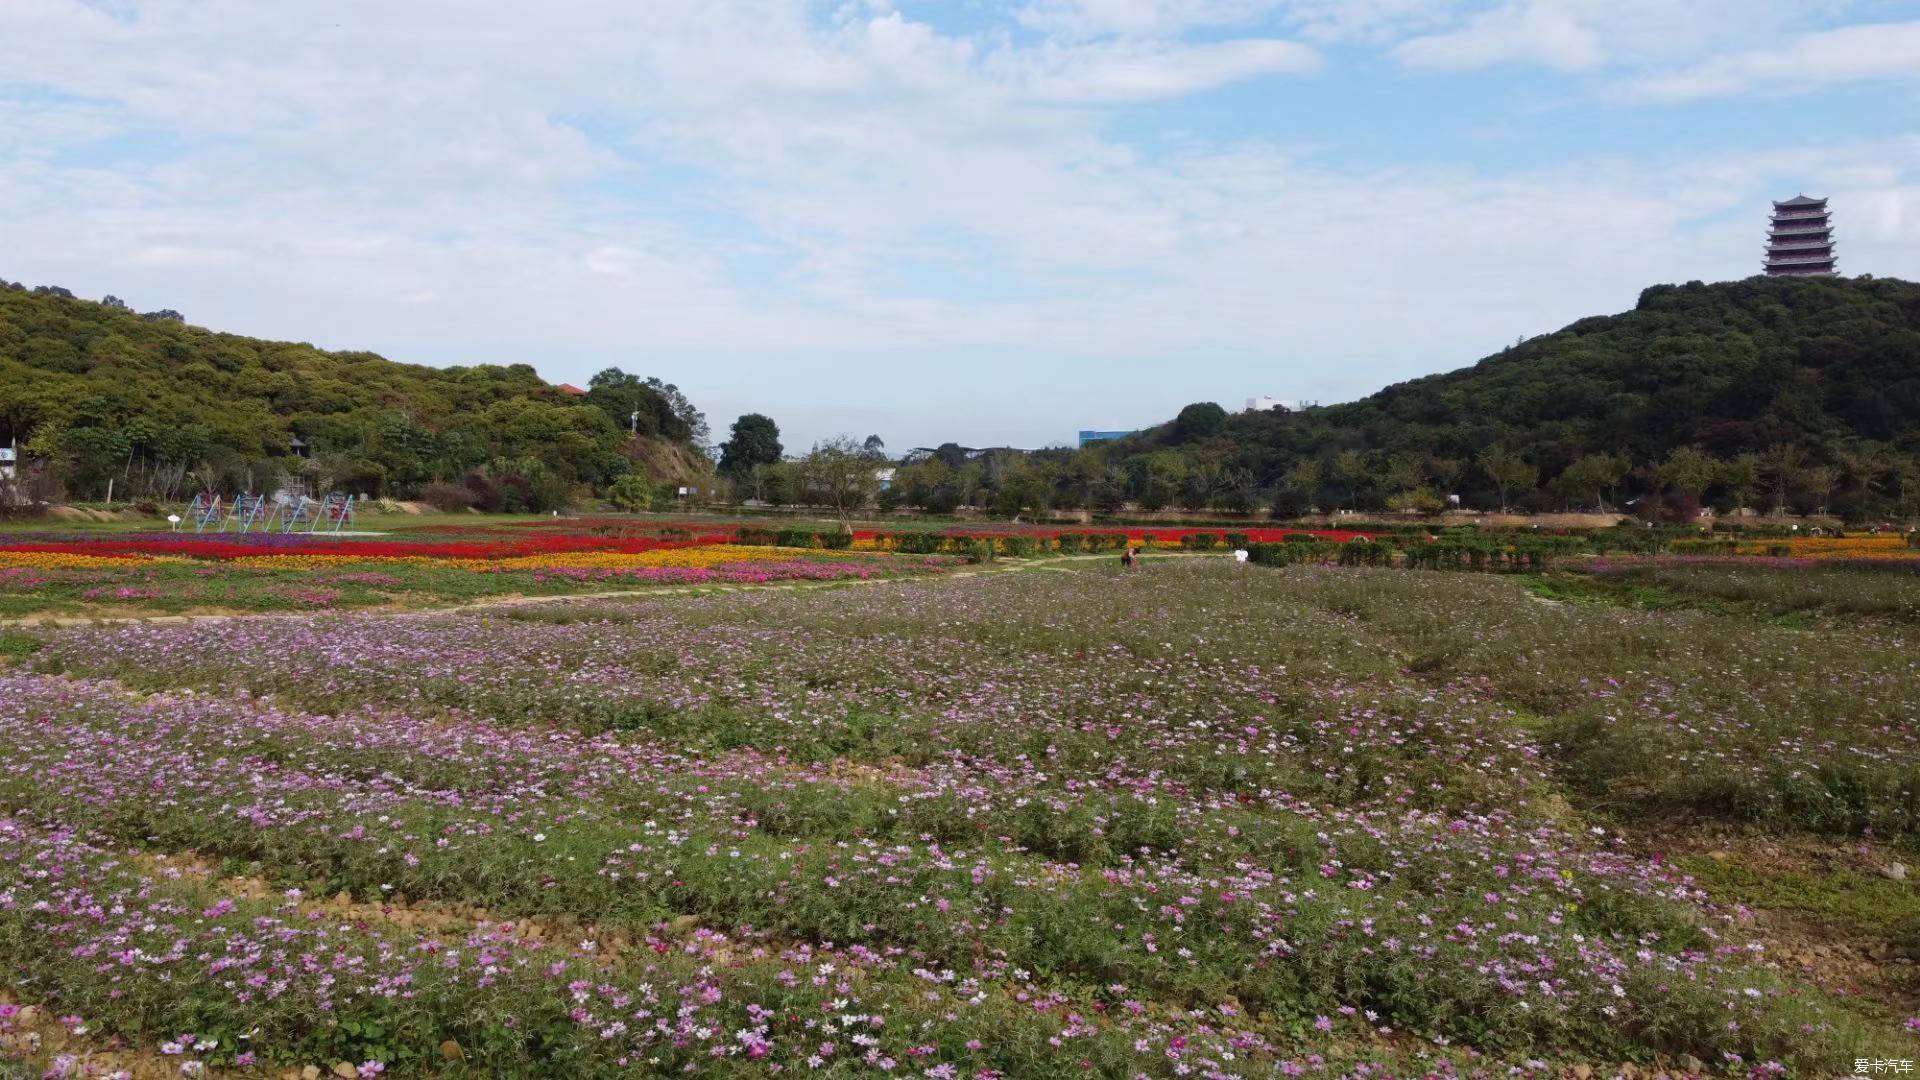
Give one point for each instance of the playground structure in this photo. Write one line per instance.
(248, 512)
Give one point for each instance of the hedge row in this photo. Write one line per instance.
(1477, 553)
(799, 538)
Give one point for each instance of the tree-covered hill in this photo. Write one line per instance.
(93, 391)
(1800, 394)
(1733, 368)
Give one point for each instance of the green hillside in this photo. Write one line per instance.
(97, 392)
(1825, 368)
(1801, 394)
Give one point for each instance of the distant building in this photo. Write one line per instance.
(1800, 243)
(569, 388)
(7, 462)
(1263, 403)
(884, 477)
(1102, 436)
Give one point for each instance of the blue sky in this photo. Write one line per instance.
(994, 222)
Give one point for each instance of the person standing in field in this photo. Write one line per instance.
(1126, 559)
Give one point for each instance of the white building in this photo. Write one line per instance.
(8, 462)
(1263, 403)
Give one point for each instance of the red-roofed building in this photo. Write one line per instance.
(569, 388)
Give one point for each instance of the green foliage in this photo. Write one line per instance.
(1366, 553)
(163, 408)
(919, 543)
(15, 645)
(754, 441)
(1868, 904)
(797, 538)
(1704, 547)
(1804, 393)
(645, 406)
(1198, 421)
(841, 474)
(632, 492)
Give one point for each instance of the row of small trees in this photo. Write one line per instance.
(1855, 479)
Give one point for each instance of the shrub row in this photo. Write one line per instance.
(1704, 547)
(798, 538)
(1013, 545)
(1482, 554)
(1477, 557)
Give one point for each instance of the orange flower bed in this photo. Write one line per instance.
(64, 560)
(1884, 546)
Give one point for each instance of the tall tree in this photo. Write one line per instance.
(689, 417)
(1688, 471)
(840, 473)
(1741, 477)
(1780, 467)
(1199, 420)
(754, 440)
(1350, 468)
(1590, 478)
(1304, 480)
(1509, 472)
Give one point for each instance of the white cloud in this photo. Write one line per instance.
(1126, 72)
(1848, 54)
(1138, 18)
(750, 201)
(1582, 35)
(1537, 32)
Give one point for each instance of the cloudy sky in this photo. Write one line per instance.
(995, 221)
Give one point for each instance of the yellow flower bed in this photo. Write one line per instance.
(692, 557)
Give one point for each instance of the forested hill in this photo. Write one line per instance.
(98, 391)
(1795, 392)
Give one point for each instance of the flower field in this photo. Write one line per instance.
(165, 573)
(1199, 819)
(1883, 546)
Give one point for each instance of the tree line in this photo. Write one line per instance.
(1774, 394)
(1796, 395)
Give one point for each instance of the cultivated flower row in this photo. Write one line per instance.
(1266, 799)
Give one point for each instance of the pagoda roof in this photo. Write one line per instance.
(1801, 200)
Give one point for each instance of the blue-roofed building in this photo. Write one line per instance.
(1102, 436)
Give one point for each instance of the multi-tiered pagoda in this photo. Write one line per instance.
(1800, 243)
